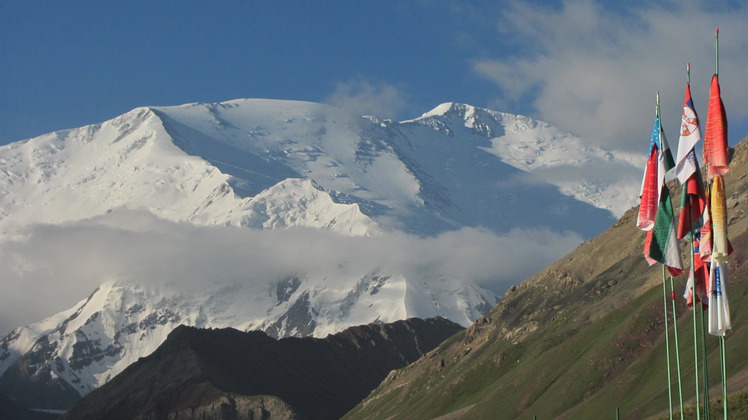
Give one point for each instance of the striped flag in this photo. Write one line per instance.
(661, 243)
(659, 162)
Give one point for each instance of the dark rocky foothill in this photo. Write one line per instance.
(229, 374)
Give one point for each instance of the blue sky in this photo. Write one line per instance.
(582, 65)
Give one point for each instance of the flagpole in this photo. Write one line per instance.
(723, 362)
(688, 73)
(707, 408)
(664, 307)
(722, 357)
(695, 355)
(677, 349)
(716, 38)
(694, 296)
(667, 336)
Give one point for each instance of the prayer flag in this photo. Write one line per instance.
(715, 134)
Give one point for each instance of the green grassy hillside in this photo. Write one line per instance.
(580, 339)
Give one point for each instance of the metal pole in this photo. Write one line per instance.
(722, 357)
(695, 334)
(707, 408)
(667, 345)
(677, 349)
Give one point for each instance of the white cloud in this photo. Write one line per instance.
(366, 98)
(595, 72)
(57, 265)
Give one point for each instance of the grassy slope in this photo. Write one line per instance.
(578, 339)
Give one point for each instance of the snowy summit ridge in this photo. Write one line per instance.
(271, 166)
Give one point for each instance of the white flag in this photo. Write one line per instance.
(719, 308)
(690, 134)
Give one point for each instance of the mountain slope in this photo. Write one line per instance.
(216, 164)
(589, 174)
(248, 213)
(579, 339)
(312, 378)
(132, 161)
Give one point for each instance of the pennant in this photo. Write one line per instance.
(719, 308)
(715, 134)
(690, 134)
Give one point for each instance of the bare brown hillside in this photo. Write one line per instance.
(576, 340)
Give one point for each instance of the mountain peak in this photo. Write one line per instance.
(481, 121)
(303, 210)
(446, 108)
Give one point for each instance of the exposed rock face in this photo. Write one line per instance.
(203, 401)
(228, 374)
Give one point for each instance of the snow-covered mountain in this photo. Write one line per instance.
(264, 164)
(269, 164)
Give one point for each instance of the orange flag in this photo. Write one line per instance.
(650, 193)
(715, 134)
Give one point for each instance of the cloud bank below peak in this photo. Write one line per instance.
(43, 274)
